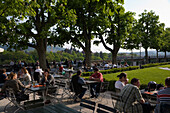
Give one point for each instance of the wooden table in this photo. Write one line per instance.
(57, 108)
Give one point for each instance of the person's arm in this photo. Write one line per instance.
(139, 96)
(92, 77)
(81, 81)
(21, 85)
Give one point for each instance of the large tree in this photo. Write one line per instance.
(165, 47)
(9, 9)
(88, 16)
(115, 31)
(147, 23)
(156, 41)
(39, 30)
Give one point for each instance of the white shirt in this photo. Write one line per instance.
(119, 85)
(40, 71)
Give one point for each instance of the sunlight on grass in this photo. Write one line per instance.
(145, 75)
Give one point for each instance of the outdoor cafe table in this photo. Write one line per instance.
(41, 89)
(57, 108)
(91, 82)
(151, 97)
(58, 76)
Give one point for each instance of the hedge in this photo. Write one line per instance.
(113, 70)
(154, 64)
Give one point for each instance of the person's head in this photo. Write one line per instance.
(167, 81)
(135, 82)
(46, 72)
(12, 76)
(122, 76)
(24, 70)
(159, 87)
(151, 86)
(3, 70)
(96, 70)
(79, 72)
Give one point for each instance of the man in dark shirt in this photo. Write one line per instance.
(48, 79)
(77, 83)
(3, 76)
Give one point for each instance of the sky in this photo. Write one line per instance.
(160, 7)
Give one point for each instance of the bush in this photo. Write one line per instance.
(113, 70)
(154, 64)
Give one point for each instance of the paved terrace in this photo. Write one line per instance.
(107, 100)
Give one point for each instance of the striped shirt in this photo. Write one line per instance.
(130, 97)
(164, 95)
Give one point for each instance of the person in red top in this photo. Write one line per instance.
(97, 76)
(60, 68)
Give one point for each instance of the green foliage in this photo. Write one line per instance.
(32, 56)
(154, 64)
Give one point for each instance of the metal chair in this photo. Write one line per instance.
(12, 98)
(103, 88)
(105, 109)
(87, 104)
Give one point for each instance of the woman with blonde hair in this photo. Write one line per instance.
(14, 83)
(26, 76)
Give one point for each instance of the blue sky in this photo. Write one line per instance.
(160, 7)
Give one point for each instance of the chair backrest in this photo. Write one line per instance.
(117, 90)
(87, 104)
(105, 109)
(104, 87)
(10, 94)
(164, 107)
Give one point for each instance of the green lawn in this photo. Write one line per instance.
(145, 75)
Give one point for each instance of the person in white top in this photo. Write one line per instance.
(122, 81)
(38, 69)
(26, 76)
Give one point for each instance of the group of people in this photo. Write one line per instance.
(131, 99)
(19, 82)
(78, 82)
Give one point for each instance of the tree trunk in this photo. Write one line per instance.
(41, 50)
(114, 54)
(157, 59)
(165, 56)
(88, 53)
(146, 55)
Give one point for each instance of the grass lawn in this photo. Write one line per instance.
(145, 75)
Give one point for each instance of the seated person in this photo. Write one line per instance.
(15, 84)
(60, 68)
(132, 100)
(38, 69)
(47, 78)
(3, 76)
(121, 82)
(26, 76)
(77, 83)
(164, 95)
(97, 76)
(152, 87)
(106, 66)
(37, 74)
(159, 87)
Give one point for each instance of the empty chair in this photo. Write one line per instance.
(87, 104)
(105, 109)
